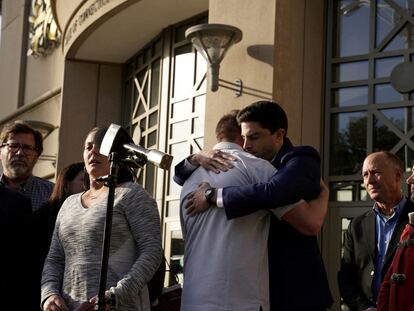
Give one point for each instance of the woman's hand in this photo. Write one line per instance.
(95, 299)
(55, 303)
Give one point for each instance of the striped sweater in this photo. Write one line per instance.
(72, 267)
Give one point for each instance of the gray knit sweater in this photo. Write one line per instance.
(72, 267)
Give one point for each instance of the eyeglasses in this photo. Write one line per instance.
(14, 147)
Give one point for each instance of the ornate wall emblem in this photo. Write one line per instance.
(44, 35)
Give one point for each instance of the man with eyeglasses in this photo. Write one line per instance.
(21, 146)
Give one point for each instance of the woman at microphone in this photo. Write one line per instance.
(71, 272)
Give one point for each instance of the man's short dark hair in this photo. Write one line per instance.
(21, 127)
(228, 127)
(267, 113)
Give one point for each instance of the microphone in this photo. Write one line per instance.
(160, 159)
(116, 139)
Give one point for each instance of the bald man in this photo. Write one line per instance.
(371, 239)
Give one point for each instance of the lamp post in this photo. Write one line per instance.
(213, 41)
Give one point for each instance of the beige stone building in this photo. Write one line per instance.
(69, 65)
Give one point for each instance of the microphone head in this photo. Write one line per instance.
(156, 157)
(114, 139)
(160, 159)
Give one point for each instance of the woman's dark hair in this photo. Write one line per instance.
(66, 175)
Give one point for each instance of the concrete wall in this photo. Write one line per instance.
(280, 57)
(12, 51)
(91, 97)
(299, 67)
(23, 79)
(250, 60)
(43, 74)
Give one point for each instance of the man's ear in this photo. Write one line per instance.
(399, 175)
(35, 161)
(281, 133)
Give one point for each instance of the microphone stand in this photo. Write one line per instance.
(110, 181)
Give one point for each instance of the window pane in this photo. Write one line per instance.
(179, 151)
(387, 19)
(198, 125)
(181, 109)
(173, 208)
(348, 142)
(148, 54)
(343, 192)
(180, 33)
(141, 110)
(406, 154)
(157, 48)
(406, 4)
(128, 100)
(350, 191)
(385, 22)
(403, 40)
(384, 66)
(384, 138)
(396, 116)
(140, 61)
(143, 123)
(153, 119)
(183, 73)
(150, 178)
(350, 96)
(352, 33)
(180, 130)
(385, 93)
(201, 70)
(152, 140)
(155, 83)
(351, 71)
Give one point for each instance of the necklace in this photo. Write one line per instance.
(89, 199)
(94, 196)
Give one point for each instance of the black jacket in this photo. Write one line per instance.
(358, 261)
(18, 281)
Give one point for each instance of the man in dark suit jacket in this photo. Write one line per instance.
(298, 278)
(371, 239)
(16, 281)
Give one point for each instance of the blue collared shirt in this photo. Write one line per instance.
(384, 229)
(37, 189)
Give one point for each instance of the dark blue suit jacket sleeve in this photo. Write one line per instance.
(181, 173)
(298, 178)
